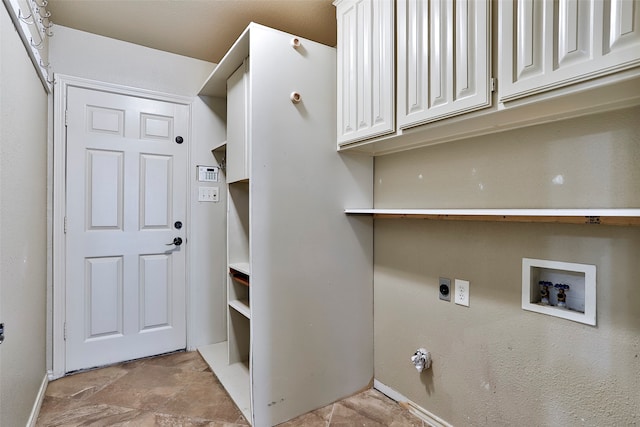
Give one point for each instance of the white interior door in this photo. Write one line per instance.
(126, 190)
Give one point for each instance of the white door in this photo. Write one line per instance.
(126, 192)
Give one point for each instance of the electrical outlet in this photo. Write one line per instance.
(444, 289)
(462, 292)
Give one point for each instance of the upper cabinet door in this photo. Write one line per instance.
(365, 69)
(237, 124)
(444, 59)
(546, 44)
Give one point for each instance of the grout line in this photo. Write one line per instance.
(333, 408)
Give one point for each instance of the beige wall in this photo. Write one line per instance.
(81, 54)
(23, 221)
(494, 363)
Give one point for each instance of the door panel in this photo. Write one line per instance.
(365, 64)
(103, 287)
(546, 44)
(126, 186)
(155, 281)
(104, 176)
(443, 59)
(155, 191)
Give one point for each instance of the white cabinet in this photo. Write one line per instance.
(444, 59)
(547, 44)
(237, 117)
(443, 63)
(365, 69)
(287, 237)
(554, 59)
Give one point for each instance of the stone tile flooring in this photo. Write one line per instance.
(179, 389)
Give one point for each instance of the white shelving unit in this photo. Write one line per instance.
(230, 358)
(287, 238)
(233, 376)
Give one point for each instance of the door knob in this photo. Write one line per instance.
(177, 241)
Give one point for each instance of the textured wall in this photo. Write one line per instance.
(81, 54)
(494, 363)
(23, 239)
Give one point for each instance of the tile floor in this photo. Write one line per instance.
(179, 389)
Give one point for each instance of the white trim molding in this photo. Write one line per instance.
(415, 409)
(35, 411)
(32, 23)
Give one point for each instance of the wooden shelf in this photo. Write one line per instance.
(623, 217)
(242, 307)
(241, 278)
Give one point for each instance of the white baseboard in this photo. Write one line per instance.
(426, 416)
(35, 411)
(54, 375)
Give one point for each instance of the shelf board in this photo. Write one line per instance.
(242, 307)
(216, 84)
(624, 217)
(242, 267)
(218, 147)
(234, 378)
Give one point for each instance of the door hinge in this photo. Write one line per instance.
(66, 117)
(494, 83)
(65, 225)
(65, 331)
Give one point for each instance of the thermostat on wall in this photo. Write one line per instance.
(208, 173)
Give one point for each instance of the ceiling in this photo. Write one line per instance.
(203, 29)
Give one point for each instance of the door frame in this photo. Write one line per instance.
(58, 293)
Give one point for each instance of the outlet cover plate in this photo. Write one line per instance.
(444, 289)
(462, 292)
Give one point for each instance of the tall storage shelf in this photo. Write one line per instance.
(290, 289)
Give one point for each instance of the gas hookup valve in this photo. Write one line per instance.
(421, 359)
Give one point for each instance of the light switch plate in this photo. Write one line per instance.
(208, 194)
(462, 292)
